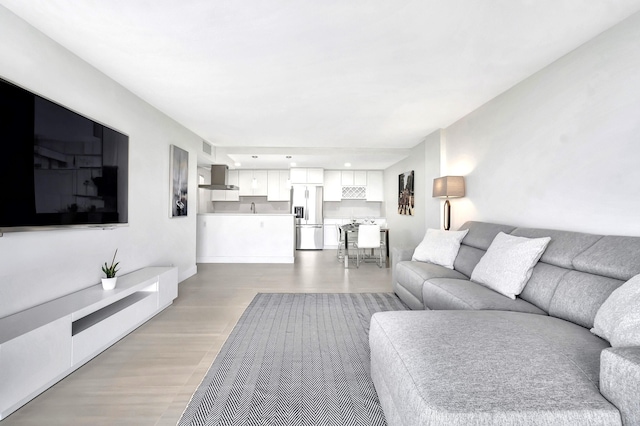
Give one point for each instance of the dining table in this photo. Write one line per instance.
(351, 231)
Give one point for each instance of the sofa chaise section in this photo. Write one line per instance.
(486, 368)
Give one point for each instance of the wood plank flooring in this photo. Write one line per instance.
(148, 377)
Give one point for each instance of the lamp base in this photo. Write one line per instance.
(447, 215)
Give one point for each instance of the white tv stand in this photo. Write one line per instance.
(43, 344)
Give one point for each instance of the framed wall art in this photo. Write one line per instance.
(179, 181)
(406, 202)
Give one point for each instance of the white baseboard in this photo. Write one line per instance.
(247, 259)
(188, 273)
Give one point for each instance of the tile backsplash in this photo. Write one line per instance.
(352, 208)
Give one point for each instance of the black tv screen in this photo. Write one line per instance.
(58, 168)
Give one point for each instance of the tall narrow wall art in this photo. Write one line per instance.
(406, 202)
(179, 181)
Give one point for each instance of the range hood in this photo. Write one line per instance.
(219, 175)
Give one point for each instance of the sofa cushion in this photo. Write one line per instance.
(579, 295)
(467, 259)
(439, 247)
(508, 263)
(563, 247)
(454, 294)
(487, 367)
(618, 319)
(542, 285)
(481, 234)
(411, 275)
(611, 256)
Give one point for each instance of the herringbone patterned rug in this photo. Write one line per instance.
(295, 359)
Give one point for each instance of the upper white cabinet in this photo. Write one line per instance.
(375, 185)
(224, 195)
(347, 178)
(306, 175)
(253, 183)
(332, 185)
(335, 180)
(354, 178)
(279, 188)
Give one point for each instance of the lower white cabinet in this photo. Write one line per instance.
(331, 236)
(42, 345)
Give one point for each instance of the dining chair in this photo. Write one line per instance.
(368, 238)
(340, 235)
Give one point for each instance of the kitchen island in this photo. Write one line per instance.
(245, 238)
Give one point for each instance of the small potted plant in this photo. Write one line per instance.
(109, 283)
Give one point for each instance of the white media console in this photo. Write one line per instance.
(42, 345)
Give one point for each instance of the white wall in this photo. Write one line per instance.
(39, 266)
(561, 149)
(406, 231)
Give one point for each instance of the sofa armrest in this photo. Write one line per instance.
(399, 254)
(620, 381)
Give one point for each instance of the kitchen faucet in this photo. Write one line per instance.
(253, 207)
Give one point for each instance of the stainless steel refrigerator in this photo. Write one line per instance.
(306, 205)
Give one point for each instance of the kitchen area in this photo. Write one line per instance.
(264, 216)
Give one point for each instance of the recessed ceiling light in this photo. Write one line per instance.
(292, 164)
(347, 164)
(237, 164)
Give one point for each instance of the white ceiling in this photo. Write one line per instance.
(282, 76)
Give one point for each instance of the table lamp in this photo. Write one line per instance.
(448, 187)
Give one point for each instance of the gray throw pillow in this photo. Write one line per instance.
(618, 319)
(439, 247)
(508, 263)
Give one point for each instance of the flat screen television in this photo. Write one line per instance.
(57, 167)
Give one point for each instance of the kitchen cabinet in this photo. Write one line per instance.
(354, 178)
(331, 233)
(332, 185)
(347, 178)
(375, 185)
(253, 183)
(371, 180)
(279, 188)
(224, 195)
(245, 238)
(302, 175)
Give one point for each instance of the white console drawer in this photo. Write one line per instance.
(99, 330)
(32, 362)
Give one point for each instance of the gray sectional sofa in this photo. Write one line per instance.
(467, 355)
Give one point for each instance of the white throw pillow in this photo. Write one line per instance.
(508, 263)
(618, 319)
(439, 247)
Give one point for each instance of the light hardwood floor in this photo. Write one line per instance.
(148, 377)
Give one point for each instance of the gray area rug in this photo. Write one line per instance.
(295, 359)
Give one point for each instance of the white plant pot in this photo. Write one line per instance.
(109, 283)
